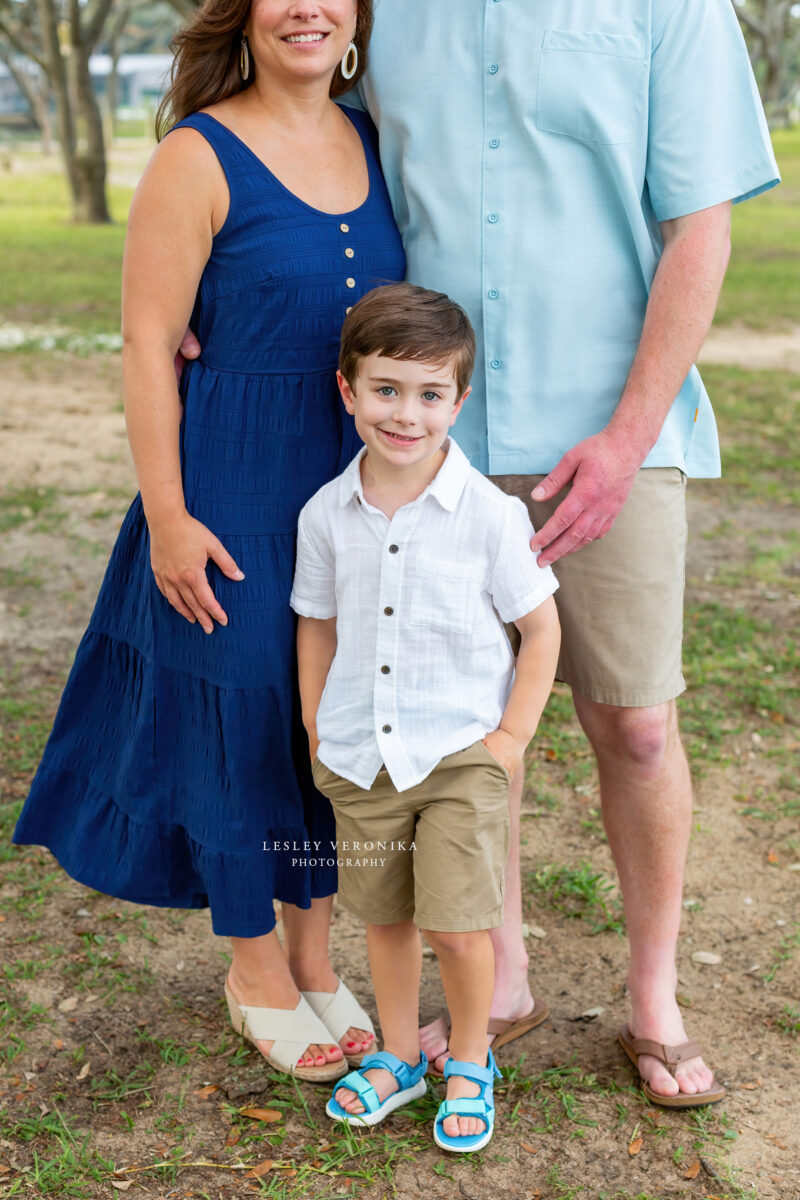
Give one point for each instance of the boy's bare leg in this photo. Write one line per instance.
(466, 961)
(395, 960)
(512, 994)
(306, 933)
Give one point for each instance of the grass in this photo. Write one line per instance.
(581, 892)
(56, 273)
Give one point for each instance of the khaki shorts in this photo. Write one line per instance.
(452, 878)
(620, 599)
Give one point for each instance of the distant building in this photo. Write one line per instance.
(141, 80)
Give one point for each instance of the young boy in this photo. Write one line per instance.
(407, 566)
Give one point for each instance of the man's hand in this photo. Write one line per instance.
(188, 349)
(602, 473)
(505, 748)
(313, 743)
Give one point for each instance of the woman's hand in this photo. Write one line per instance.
(179, 551)
(505, 748)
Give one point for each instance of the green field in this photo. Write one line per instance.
(56, 274)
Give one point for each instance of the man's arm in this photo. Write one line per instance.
(316, 647)
(679, 312)
(533, 681)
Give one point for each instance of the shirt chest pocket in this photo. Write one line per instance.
(592, 86)
(444, 598)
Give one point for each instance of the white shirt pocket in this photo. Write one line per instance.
(592, 86)
(444, 597)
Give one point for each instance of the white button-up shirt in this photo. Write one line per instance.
(423, 666)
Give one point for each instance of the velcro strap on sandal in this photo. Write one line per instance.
(363, 1088)
(470, 1070)
(405, 1074)
(465, 1107)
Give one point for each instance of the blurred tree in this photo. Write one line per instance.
(59, 36)
(772, 30)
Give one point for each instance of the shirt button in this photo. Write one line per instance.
(351, 283)
(388, 611)
(344, 228)
(495, 364)
(492, 218)
(494, 143)
(386, 729)
(492, 293)
(385, 670)
(493, 68)
(393, 549)
(350, 253)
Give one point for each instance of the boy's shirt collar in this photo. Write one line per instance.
(446, 486)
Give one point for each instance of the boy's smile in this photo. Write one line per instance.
(403, 410)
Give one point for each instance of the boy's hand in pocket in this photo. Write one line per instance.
(505, 748)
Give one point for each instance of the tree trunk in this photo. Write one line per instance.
(89, 195)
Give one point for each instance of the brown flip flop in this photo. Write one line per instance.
(671, 1057)
(505, 1029)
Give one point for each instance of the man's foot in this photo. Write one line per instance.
(434, 1037)
(281, 994)
(666, 1027)
(320, 977)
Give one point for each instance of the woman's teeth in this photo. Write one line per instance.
(305, 37)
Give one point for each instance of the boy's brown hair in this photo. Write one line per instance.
(402, 321)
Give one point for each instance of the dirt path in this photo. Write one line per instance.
(752, 349)
(146, 983)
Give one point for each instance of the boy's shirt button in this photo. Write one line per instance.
(388, 612)
(385, 670)
(387, 729)
(393, 549)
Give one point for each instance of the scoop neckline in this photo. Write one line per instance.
(320, 212)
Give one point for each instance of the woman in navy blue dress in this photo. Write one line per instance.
(177, 772)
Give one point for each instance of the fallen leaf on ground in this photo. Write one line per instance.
(772, 857)
(69, 1004)
(259, 1169)
(748, 1087)
(635, 1146)
(528, 1148)
(121, 1185)
(706, 957)
(692, 1171)
(233, 1136)
(204, 1092)
(261, 1114)
(58, 1044)
(84, 1071)
(4, 1169)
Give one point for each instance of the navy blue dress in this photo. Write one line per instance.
(176, 756)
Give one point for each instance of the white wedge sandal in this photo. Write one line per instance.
(291, 1032)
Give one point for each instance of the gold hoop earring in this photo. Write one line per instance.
(350, 61)
(244, 59)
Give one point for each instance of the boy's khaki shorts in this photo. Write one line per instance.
(620, 599)
(452, 879)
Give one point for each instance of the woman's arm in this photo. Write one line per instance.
(179, 205)
(316, 647)
(533, 681)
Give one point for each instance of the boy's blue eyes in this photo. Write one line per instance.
(386, 390)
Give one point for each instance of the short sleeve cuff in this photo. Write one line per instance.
(530, 601)
(736, 188)
(312, 608)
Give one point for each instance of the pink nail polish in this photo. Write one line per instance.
(320, 1058)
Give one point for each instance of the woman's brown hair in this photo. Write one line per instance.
(206, 65)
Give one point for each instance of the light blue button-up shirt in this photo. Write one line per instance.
(531, 150)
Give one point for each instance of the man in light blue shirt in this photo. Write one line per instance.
(565, 171)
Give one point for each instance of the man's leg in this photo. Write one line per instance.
(646, 797)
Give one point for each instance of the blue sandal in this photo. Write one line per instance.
(481, 1106)
(410, 1081)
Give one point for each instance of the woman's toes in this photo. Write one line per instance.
(332, 1053)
